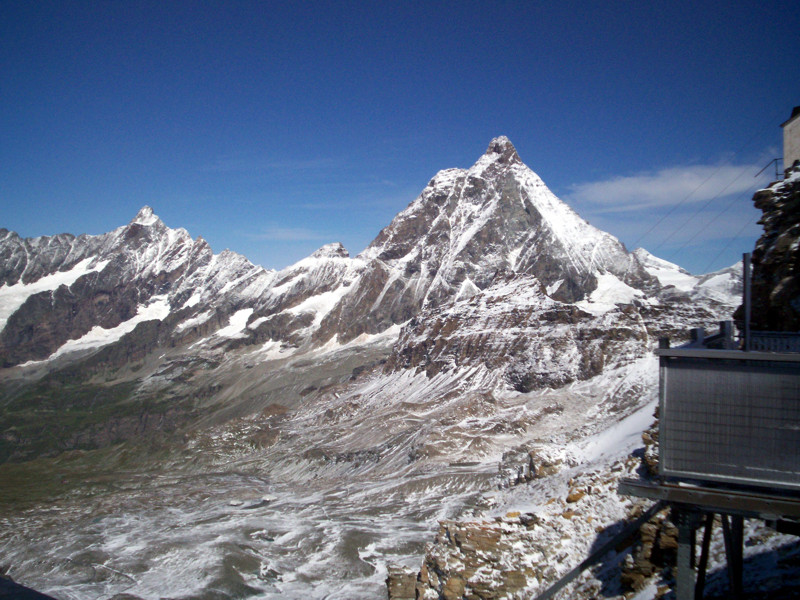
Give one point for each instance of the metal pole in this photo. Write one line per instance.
(733, 536)
(686, 521)
(737, 531)
(747, 299)
(703, 565)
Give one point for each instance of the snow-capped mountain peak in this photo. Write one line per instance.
(500, 153)
(145, 217)
(502, 146)
(334, 250)
(498, 215)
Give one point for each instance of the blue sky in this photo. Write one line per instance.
(272, 128)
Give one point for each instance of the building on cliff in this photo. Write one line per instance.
(729, 445)
(729, 410)
(791, 139)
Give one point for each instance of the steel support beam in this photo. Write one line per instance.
(733, 533)
(702, 567)
(687, 521)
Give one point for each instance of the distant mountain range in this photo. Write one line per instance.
(486, 314)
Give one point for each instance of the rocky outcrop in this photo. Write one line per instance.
(653, 555)
(776, 257)
(521, 554)
(401, 583)
(513, 327)
(478, 561)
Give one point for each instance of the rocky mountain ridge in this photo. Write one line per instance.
(467, 228)
(482, 258)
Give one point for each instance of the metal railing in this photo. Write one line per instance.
(774, 341)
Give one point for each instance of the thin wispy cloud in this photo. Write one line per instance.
(706, 226)
(667, 187)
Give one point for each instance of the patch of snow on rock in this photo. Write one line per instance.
(194, 300)
(14, 296)
(236, 324)
(610, 292)
(194, 321)
(254, 325)
(467, 290)
(320, 305)
(157, 310)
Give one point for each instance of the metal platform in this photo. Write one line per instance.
(730, 416)
(751, 504)
(694, 506)
(729, 444)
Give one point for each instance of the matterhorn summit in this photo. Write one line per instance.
(470, 224)
(500, 152)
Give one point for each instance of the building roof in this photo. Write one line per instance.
(795, 114)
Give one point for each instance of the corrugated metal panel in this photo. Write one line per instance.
(735, 421)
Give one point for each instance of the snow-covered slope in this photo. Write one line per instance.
(666, 272)
(723, 286)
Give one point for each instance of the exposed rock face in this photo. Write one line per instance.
(529, 341)
(401, 583)
(776, 257)
(514, 328)
(476, 561)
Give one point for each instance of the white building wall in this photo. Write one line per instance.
(791, 142)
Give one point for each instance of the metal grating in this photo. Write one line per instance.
(730, 420)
